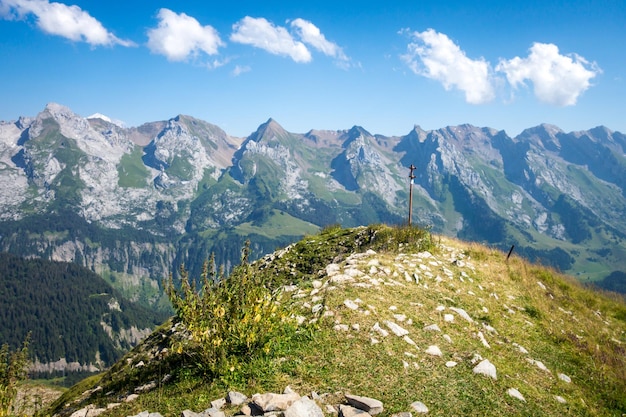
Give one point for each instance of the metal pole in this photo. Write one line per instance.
(411, 177)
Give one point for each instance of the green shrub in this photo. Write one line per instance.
(229, 318)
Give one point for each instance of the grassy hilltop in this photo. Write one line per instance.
(390, 313)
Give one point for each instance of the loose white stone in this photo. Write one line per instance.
(449, 318)
(481, 336)
(356, 327)
(409, 341)
(399, 317)
(462, 313)
(341, 327)
(396, 329)
(451, 364)
(489, 328)
(432, 328)
(486, 368)
(434, 350)
(520, 348)
(317, 308)
(351, 304)
(516, 394)
(539, 364)
(380, 330)
(560, 399)
(565, 378)
(341, 279)
(440, 308)
(419, 407)
(447, 338)
(332, 269)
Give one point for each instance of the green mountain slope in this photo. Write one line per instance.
(393, 314)
(71, 314)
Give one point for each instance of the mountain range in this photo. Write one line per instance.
(133, 204)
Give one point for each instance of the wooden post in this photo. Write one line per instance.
(411, 177)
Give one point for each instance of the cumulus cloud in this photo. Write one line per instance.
(70, 22)
(435, 56)
(276, 40)
(179, 36)
(311, 35)
(557, 79)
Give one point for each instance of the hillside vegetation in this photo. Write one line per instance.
(71, 314)
(394, 314)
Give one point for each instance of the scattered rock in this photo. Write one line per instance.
(539, 364)
(349, 411)
(131, 397)
(432, 328)
(419, 407)
(380, 330)
(146, 387)
(462, 313)
(304, 407)
(486, 368)
(516, 394)
(369, 405)
(434, 350)
(482, 339)
(396, 329)
(274, 402)
(565, 378)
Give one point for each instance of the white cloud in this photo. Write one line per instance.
(311, 35)
(179, 36)
(276, 40)
(557, 79)
(435, 56)
(240, 69)
(70, 22)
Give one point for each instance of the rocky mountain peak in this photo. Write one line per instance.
(543, 136)
(270, 130)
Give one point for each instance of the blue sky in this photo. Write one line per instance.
(385, 66)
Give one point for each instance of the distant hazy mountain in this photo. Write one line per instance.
(134, 203)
